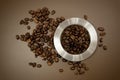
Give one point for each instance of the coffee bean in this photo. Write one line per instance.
(56, 60)
(26, 19)
(61, 70)
(53, 12)
(39, 65)
(17, 37)
(72, 68)
(102, 34)
(49, 63)
(104, 47)
(28, 27)
(101, 40)
(64, 60)
(101, 29)
(100, 45)
(22, 22)
(70, 63)
(85, 17)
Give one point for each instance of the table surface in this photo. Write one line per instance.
(15, 55)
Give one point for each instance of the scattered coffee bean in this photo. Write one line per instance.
(101, 40)
(101, 29)
(85, 17)
(39, 65)
(61, 70)
(72, 68)
(28, 27)
(22, 22)
(64, 60)
(104, 47)
(70, 63)
(26, 19)
(100, 45)
(102, 34)
(53, 12)
(17, 37)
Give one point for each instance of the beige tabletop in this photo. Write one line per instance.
(15, 55)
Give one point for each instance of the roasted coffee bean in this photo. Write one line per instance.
(70, 63)
(26, 19)
(102, 34)
(28, 27)
(101, 40)
(39, 65)
(64, 60)
(17, 37)
(56, 60)
(101, 29)
(85, 17)
(30, 63)
(31, 12)
(61, 70)
(72, 68)
(100, 45)
(49, 63)
(53, 12)
(22, 22)
(104, 47)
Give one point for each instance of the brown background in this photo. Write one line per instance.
(15, 55)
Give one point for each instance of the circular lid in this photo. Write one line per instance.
(93, 39)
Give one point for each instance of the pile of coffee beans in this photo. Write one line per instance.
(75, 39)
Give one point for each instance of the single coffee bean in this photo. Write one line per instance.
(49, 63)
(104, 47)
(28, 27)
(102, 34)
(85, 17)
(72, 68)
(101, 40)
(70, 63)
(100, 45)
(39, 65)
(56, 60)
(53, 12)
(61, 70)
(17, 37)
(26, 19)
(22, 22)
(101, 29)
(64, 60)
